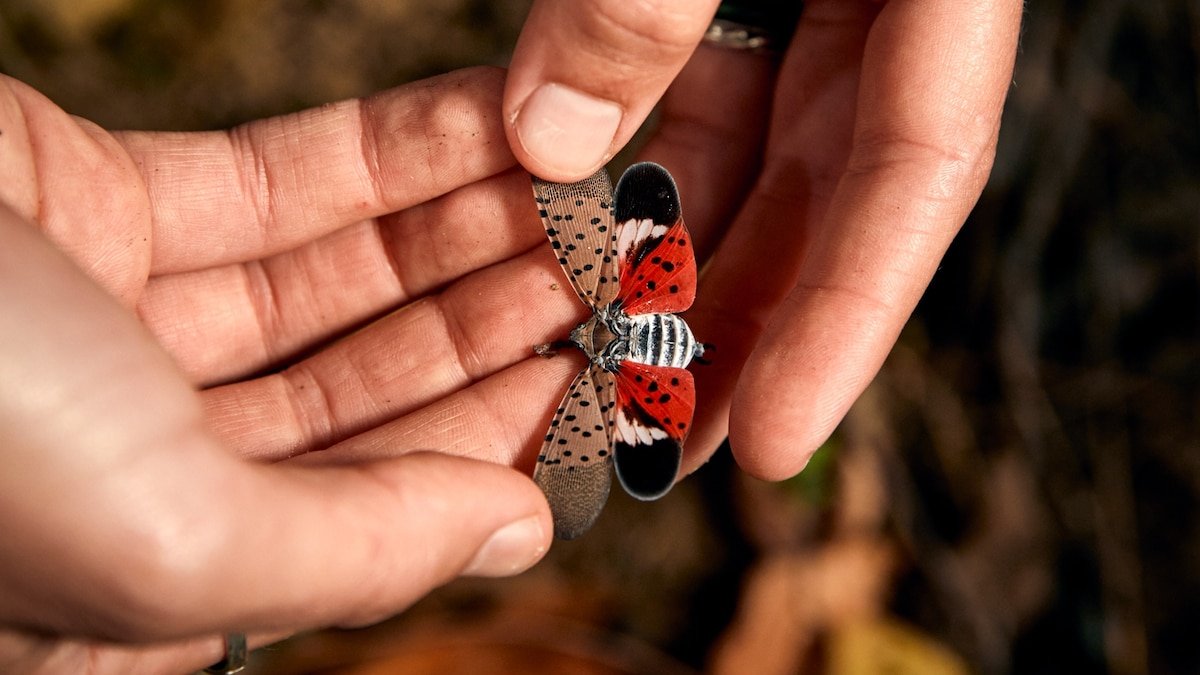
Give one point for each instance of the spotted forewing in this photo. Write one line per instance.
(573, 466)
(578, 218)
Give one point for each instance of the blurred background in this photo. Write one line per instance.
(1016, 492)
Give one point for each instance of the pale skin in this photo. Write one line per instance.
(181, 312)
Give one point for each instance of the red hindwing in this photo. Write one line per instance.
(654, 415)
(654, 397)
(658, 273)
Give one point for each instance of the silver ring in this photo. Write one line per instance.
(235, 656)
(755, 26)
(740, 36)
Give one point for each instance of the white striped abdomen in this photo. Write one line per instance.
(661, 340)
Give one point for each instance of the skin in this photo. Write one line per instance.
(838, 175)
(180, 268)
(282, 358)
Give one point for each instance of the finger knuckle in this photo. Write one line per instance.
(649, 28)
(949, 168)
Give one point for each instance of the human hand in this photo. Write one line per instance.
(143, 518)
(821, 192)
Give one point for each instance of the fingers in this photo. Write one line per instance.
(713, 147)
(337, 543)
(485, 421)
(404, 361)
(266, 311)
(926, 119)
(271, 185)
(126, 520)
(78, 185)
(758, 259)
(585, 75)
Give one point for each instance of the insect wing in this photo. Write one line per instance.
(660, 273)
(655, 405)
(573, 466)
(579, 222)
(654, 249)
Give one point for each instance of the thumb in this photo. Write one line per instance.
(585, 75)
(247, 548)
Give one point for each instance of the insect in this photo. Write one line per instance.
(629, 258)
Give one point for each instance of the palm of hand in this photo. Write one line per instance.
(246, 253)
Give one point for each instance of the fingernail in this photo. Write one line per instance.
(566, 129)
(512, 549)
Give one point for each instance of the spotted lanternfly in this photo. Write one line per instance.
(629, 258)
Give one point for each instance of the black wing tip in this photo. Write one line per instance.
(649, 171)
(647, 190)
(647, 472)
